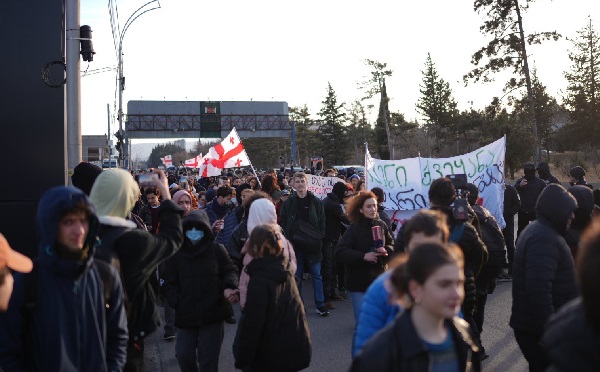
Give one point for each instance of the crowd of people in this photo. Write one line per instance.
(116, 246)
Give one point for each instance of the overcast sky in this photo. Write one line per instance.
(289, 50)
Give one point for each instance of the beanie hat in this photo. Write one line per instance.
(354, 176)
(179, 194)
(262, 211)
(84, 175)
(339, 190)
(114, 193)
(577, 172)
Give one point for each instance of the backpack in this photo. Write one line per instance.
(104, 253)
(492, 237)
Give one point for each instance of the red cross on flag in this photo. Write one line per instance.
(167, 161)
(194, 162)
(230, 153)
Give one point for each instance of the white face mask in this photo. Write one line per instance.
(194, 235)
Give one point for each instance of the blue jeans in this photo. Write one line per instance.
(356, 298)
(315, 273)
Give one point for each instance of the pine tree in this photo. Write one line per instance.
(583, 90)
(508, 50)
(332, 133)
(373, 86)
(437, 106)
(307, 141)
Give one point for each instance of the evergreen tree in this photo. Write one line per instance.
(307, 141)
(159, 151)
(373, 86)
(583, 90)
(437, 106)
(507, 50)
(332, 133)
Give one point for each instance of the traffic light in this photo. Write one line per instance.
(119, 144)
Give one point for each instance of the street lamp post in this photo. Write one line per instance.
(121, 79)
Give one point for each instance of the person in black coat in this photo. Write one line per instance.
(512, 204)
(572, 336)
(577, 177)
(363, 257)
(199, 280)
(334, 217)
(583, 216)
(273, 332)
(441, 196)
(427, 335)
(543, 170)
(529, 187)
(543, 272)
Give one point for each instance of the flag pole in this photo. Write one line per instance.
(254, 171)
(366, 165)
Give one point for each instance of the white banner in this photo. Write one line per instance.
(321, 186)
(406, 182)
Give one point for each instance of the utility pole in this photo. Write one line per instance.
(109, 152)
(73, 130)
(121, 79)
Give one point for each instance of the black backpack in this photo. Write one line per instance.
(492, 237)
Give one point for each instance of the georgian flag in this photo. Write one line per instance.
(167, 161)
(194, 162)
(230, 153)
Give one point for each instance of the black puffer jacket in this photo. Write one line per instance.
(397, 347)
(334, 216)
(196, 276)
(543, 270)
(351, 250)
(570, 341)
(273, 333)
(529, 193)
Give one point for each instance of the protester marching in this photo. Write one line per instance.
(408, 251)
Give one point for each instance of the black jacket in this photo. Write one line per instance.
(570, 341)
(196, 276)
(234, 246)
(543, 270)
(273, 333)
(139, 253)
(475, 252)
(512, 204)
(397, 347)
(316, 217)
(334, 216)
(351, 249)
(529, 193)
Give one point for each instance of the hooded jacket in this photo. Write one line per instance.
(273, 334)
(570, 341)
(530, 192)
(196, 276)
(139, 252)
(543, 269)
(262, 211)
(70, 328)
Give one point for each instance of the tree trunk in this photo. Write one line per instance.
(537, 151)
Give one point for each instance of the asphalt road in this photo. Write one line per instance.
(332, 338)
